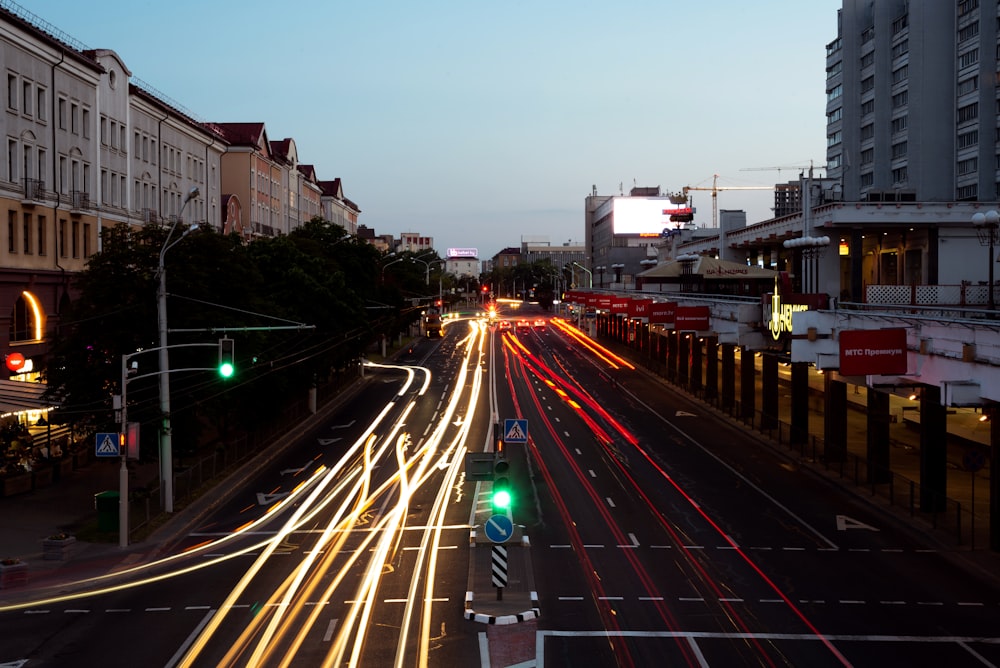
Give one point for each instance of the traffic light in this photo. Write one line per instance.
(227, 360)
(501, 484)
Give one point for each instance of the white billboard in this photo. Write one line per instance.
(643, 215)
(463, 252)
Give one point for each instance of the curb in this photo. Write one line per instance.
(501, 620)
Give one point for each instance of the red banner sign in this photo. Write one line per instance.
(639, 308)
(692, 318)
(619, 305)
(872, 352)
(662, 313)
(592, 300)
(604, 303)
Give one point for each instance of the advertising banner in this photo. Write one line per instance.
(662, 313)
(619, 305)
(639, 308)
(604, 302)
(692, 318)
(873, 352)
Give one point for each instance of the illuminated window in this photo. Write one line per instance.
(26, 320)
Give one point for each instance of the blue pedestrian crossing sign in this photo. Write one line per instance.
(108, 445)
(515, 431)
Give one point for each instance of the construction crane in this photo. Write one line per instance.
(799, 168)
(715, 195)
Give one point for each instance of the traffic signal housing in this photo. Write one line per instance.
(227, 359)
(501, 484)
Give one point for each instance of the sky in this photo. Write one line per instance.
(478, 123)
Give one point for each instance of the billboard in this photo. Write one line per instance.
(692, 318)
(873, 352)
(662, 313)
(646, 216)
(463, 252)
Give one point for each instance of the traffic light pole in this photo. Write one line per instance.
(123, 501)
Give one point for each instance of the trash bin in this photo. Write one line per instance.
(106, 504)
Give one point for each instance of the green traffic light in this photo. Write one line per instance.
(501, 499)
(226, 370)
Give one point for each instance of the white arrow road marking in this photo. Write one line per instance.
(844, 523)
(684, 414)
(328, 441)
(267, 499)
(298, 470)
(343, 426)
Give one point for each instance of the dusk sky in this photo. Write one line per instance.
(477, 123)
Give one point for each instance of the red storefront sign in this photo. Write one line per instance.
(662, 313)
(872, 352)
(604, 303)
(592, 301)
(639, 308)
(619, 305)
(692, 318)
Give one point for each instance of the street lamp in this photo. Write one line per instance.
(986, 229)
(600, 270)
(589, 272)
(166, 445)
(382, 276)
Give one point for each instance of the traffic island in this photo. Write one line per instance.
(501, 585)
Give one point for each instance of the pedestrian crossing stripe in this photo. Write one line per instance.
(515, 431)
(108, 445)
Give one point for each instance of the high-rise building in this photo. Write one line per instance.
(912, 101)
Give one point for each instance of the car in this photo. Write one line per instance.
(540, 323)
(523, 326)
(505, 324)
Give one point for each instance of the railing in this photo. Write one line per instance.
(929, 295)
(34, 189)
(80, 200)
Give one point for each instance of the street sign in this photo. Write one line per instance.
(499, 528)
(479, 465)
(515, 431)
(107, 445)
(974, 460)
(499, 559)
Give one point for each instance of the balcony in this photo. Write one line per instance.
(149, 216)
(79, 202)
(34, 191)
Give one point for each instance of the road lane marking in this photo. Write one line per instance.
(329, 630)
(610, 502)
(591, 472)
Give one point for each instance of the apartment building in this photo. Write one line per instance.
(337, 208)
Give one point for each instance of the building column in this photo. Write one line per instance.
(672, 336)
(933, 450)
(711, 368)
(683, 357)
(748, 385)
(878, 437)
(835, 420)
(769, 391)
(800, 403)
(728, 377)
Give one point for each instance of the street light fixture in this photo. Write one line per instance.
(986, 229)
(589, 272)
(166, 444)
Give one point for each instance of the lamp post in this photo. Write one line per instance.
(986, 229)
(166, 445)
(384, 266)
(600, 271)
(618, 267)
(589, 272)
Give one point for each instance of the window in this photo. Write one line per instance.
(834, 138)
(12, 91)
(899, 175)
(968, 113)
(899, 124)
(899, 150)
(835, 69)
(969, 58)
(967, 166)
(867, 131)
(967, 86)
(868, 59)
(12, 231)
(74, 118)
(901, 48)
(969, 31)
(42, 160)
(900, 99)
(867, 84)
(867, 179)
(62, 113)
(75, 238)
(40, 108)
(26, 98)
(867, 107)
(22, 321)
(835, 115)
(62, 237)
(899, 74)
(834, 161)
(86, 240)
(834, 92)
(86, 123)
(966, 6)
(12, 160)
(104, 131)
(899, 25)
(26, 232)
(967, 192)
(867, 156)
(967, 139)
(105, 193)
(40, 235)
